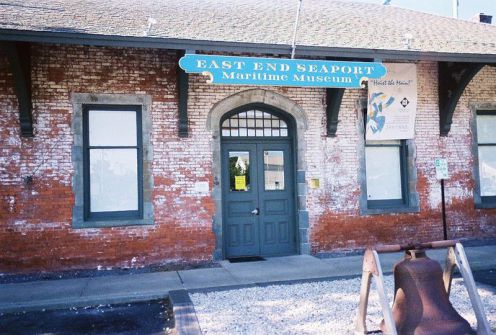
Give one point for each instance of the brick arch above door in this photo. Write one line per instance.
(278, 101)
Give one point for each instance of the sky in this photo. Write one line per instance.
(466, 8)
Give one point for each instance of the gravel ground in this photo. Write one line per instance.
(328, 307)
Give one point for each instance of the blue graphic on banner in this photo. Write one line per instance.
(229, 70)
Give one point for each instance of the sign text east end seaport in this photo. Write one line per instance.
(230, 70)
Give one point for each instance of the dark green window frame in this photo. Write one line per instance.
(113, 215)
(409, 202)
(393, 203)
(485, 201)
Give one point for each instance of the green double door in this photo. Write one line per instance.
(258, 198)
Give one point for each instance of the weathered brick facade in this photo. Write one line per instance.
(36, 232)
(36, 219)
(339, 225)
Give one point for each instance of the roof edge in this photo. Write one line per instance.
(225, 46)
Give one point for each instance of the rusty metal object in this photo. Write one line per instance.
(382, 249)
(421, 305)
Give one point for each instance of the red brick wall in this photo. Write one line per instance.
(338, 224)
(35, 220)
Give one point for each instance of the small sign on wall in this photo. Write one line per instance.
(314, 183)
(202, 187)
(441, 168)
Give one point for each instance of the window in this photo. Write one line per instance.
(385, 173)
(274, 170)
(239, 171)
(112, 155)
(388, 175)
(486, 151)
(254, 123)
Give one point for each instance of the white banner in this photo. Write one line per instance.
(392, 104)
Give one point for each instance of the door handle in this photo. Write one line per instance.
(255, 211)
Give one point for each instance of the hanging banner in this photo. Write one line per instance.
(229, 70)
(392, 104)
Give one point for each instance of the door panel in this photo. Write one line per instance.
(283, 232)
(240, 191)
(276, 197)
(258, 176)
(276, 206)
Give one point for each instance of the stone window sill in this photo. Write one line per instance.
(485, 205)
(112, 223)
(390, 210)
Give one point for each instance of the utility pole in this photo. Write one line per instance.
(455, 8)
(295, 30)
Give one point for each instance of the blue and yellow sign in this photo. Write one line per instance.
(229, 70)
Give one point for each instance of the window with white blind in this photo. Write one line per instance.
(385, 173)
(112, 155)
(486, 152)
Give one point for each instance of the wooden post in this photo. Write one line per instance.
(361, 326)
(372, 267)
(448, 269)
(462, 263)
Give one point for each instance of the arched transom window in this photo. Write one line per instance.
(254, 123)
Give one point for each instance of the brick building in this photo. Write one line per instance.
(112, 156)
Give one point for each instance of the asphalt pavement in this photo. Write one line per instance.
(151, 317)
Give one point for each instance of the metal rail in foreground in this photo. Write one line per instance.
(456, 257)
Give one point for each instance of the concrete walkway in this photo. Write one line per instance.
(63, 293)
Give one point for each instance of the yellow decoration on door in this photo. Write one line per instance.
(239, 183)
